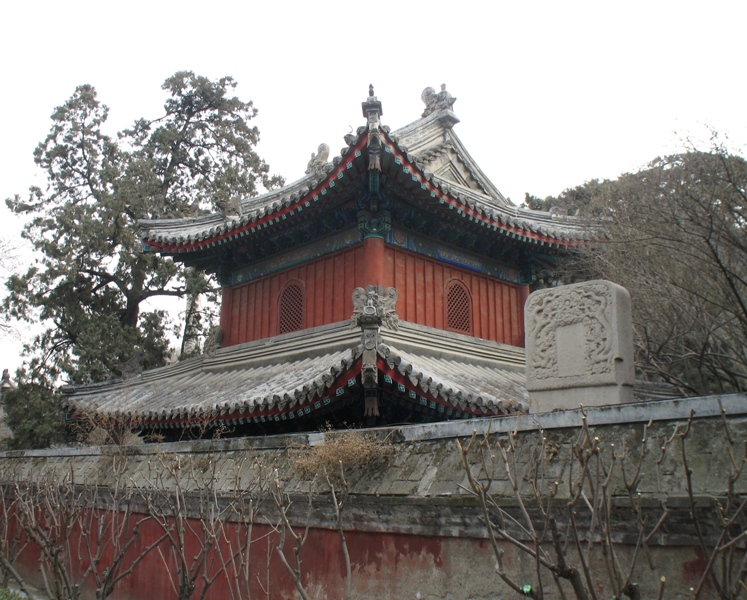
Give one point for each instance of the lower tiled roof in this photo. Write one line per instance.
(296, 375)
(494, 389)
(204, 392)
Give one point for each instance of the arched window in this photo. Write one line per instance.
(458, 308)
(290, 309)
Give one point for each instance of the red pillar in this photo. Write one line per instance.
(225, 315)
(523, 295)
(374, 262)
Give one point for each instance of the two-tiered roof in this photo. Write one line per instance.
(409, 210)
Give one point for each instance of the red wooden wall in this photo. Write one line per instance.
(250, 311)
(497, 306)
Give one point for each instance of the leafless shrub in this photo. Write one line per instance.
(12, 544)
(81, 531)
(285, 527)
(197, 505)
(678, 244)
(329, 461)
(246, 503)
(576, 503)
(95, 430)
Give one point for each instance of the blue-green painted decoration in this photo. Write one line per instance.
(323, 247)
(454, 256)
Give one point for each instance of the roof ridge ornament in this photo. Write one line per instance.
(230, 208)
(375, 306)
(372, 308)
(318, 160)
(372, 111)
(434, 102)
(133, 366)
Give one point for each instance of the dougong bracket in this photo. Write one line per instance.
(374, 226)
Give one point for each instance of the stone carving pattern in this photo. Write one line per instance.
(318, 161)
(375, 305)
(590, 305)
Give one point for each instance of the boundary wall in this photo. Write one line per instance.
(413, 528)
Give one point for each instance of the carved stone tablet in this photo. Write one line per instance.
(579, 346)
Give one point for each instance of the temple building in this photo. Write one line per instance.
(385, 286)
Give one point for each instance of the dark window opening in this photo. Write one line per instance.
(291, 309)
(458, 308)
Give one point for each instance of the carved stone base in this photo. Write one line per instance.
(568, 399)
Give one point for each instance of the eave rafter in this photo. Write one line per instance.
(458, 408)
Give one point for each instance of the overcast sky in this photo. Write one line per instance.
(550, 94)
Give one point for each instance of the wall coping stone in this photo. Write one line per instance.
(642, 412)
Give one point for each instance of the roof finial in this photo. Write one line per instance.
(372, 111)
(372, 104)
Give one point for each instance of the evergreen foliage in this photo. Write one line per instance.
(91, 280)
(34, 415)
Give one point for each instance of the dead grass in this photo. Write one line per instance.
(343, 451)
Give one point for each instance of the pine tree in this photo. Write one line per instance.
(91, 278)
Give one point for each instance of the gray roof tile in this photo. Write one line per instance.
(239, 382)
(491, 204)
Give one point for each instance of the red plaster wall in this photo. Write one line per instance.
(385, 566)
(250, 311)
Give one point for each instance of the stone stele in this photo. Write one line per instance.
(579, 346)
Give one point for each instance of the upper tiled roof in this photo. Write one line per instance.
(432, 137)
(408, 155)
(293, 375)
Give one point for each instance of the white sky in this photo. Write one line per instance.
(550, 94)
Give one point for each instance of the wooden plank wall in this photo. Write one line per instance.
(497, 306)
(250, 311)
